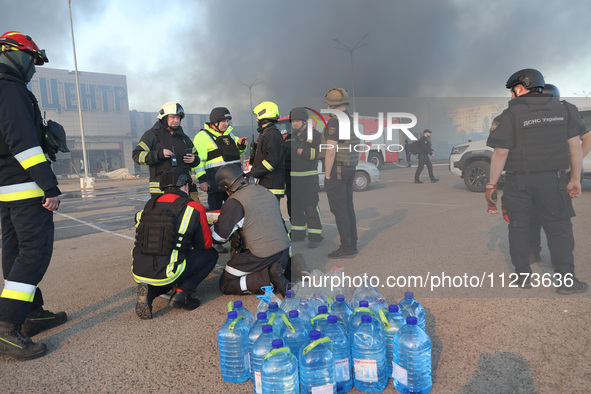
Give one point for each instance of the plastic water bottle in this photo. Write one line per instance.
(370, 294)
(341, 351)
(306, 311)
(412, 359)
(392, 321)
(369, 357)
(358, 313)
(233, 349)
(294, 332)
(257, 329)
(262, 346)
(242, 311)
(290, 302)
(280, 373)
(317, 368)
(318, 322)
(411, 307)
(341, 309)
(267, 298)
(274, 314)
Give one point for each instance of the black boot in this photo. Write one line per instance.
(180, 299)
(40, 320)
(14, 344)
(145, 297)
(278, 279)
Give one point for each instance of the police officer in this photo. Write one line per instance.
(302, 156)
(165, 146)
(268, 164)
(216, 146)
(251, 220)
(172, 246)
(532, 141)
(340, 159)
(28, 197)
(425, 150)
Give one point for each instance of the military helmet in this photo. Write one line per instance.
(267, 110)
(336, 97)
(528, 77)
(551, 89)
(229, 177)
(171, 108)
(298, 113)
(219, 114)
(15, 41)
(174, 178)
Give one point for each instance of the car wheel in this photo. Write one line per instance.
(476, 176)
(361, 181)
(376, 159)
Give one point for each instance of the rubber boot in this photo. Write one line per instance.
(14, 344)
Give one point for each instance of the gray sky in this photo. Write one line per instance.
(197, 52)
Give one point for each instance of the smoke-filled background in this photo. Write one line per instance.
(199, 52)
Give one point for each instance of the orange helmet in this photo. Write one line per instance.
(15, 41)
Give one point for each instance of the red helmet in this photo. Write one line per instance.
(20, 42)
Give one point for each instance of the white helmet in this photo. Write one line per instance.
(171, 108)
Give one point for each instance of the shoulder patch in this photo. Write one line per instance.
(332, 130)
(494, 125)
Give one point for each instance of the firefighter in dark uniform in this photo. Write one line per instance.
(534, 140)
(340, 160)
(28, 197)
(165, 146)
(302, 156)
(268, 164)
(425, 150)
(216, 146)
(251, 220)
(172, 246)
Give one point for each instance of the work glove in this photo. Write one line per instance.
(491, 198)
(505, 214)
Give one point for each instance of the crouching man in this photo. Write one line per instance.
(251, 220)
(172, 246)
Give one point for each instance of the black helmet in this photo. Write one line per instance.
(551, 89)
(229, 177)
(174, 178)
(298, 113)
(219, 114)
(528, 77)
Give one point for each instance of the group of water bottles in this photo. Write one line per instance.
(317, 345)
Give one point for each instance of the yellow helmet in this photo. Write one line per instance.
(337, 97)
(171, 108)
(266, 110)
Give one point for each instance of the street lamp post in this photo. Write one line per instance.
(253, 84)
(359, 44)
(585, 94)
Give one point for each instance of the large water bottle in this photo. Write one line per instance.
(412, 359)
(257, 329)
(317, 368)
(262, 346)
(306, 311)
(369, 357)
(294, 332)
(233, 349)
(267, 298)
(280, 373)
(392, 321)
(358, 313)
(318, 322)
(341, 350)
(290, 302)
(242, 311)
(411, 307)
(370, 294)
(274, 314)
(342, 310)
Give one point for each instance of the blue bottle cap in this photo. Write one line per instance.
(267, 328)
(261, 315)
(294, 313)
(289, 294)
(366, 319)
(273, 306)
(332, 319)
(322, 309)
(393, 308)
(340, 297)
(277, 343)
(237, 304)
(411, 320)
(315, 334)
(363, 304)
(232, 315)
(409, 294)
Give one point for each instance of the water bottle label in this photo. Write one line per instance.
(343, 371)
(400, 374)
(366, 370)
(326, 389)
(258, 383)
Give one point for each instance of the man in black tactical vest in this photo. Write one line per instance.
(535, 140)
(251, 220)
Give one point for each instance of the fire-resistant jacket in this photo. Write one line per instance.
(191, 225)
(149, 151)
(306, 163)
(268, 166)
(25, 174)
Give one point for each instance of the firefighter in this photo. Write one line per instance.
(165, 146)
(268, 164)
(172, 246)
(28, 197)
(303, 158)
(251, 220)
(340, 159)
(216, 146)
(535, 140)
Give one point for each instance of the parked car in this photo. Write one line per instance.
(365, 174)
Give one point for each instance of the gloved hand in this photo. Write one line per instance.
(491, 198)
(505, 214)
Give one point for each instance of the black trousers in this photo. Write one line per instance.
(424, 160)
(27, 246)
(339, 191)
(305, 215)
(199, 264)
